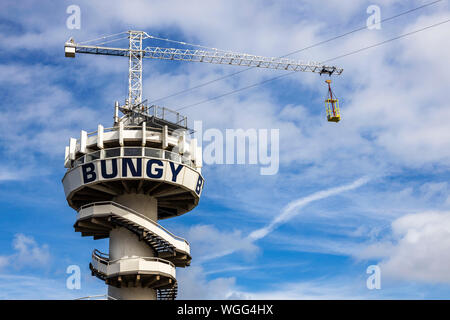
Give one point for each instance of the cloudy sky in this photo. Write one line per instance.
(371, 190)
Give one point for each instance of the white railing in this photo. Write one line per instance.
(99, 258)
(102, 203)
(97, 297)
(134, 263)
(167, 115)
(111, 129)
(143, 152)
(100, 261)
(152, 259)
(103, 257)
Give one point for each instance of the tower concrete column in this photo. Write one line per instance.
(123, 243)
(144, 204)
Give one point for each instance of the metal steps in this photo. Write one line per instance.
(156, 242)
(169, 293)
(98, 225)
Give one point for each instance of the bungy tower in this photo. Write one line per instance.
(121, 181)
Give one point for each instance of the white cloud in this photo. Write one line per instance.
(26, 287)
(18, 287)
(8, 174)
(291, 210)
(194, 285)
(308, 290)
(433, 190)
(209, 243)
(419, 251)
(3, 261)
(28, 253)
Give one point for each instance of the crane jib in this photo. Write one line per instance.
(205, 56)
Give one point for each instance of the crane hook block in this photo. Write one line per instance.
(332, 105)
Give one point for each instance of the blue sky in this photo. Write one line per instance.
(370, 190)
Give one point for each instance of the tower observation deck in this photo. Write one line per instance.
(121, 181)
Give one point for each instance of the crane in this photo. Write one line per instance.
(134, 106)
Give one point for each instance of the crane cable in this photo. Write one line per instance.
(328, 60)
(187, 43)
(104, 37)
(283, 56)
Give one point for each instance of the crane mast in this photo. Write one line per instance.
(135, 67)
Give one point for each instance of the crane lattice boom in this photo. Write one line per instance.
(212, 56)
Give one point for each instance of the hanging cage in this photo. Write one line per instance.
(332, 105)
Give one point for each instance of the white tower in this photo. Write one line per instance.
(122, 180)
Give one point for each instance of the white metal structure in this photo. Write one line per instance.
(135, 52)
(122, 179)
(135, 68)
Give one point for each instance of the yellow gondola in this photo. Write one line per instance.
(332, 105)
